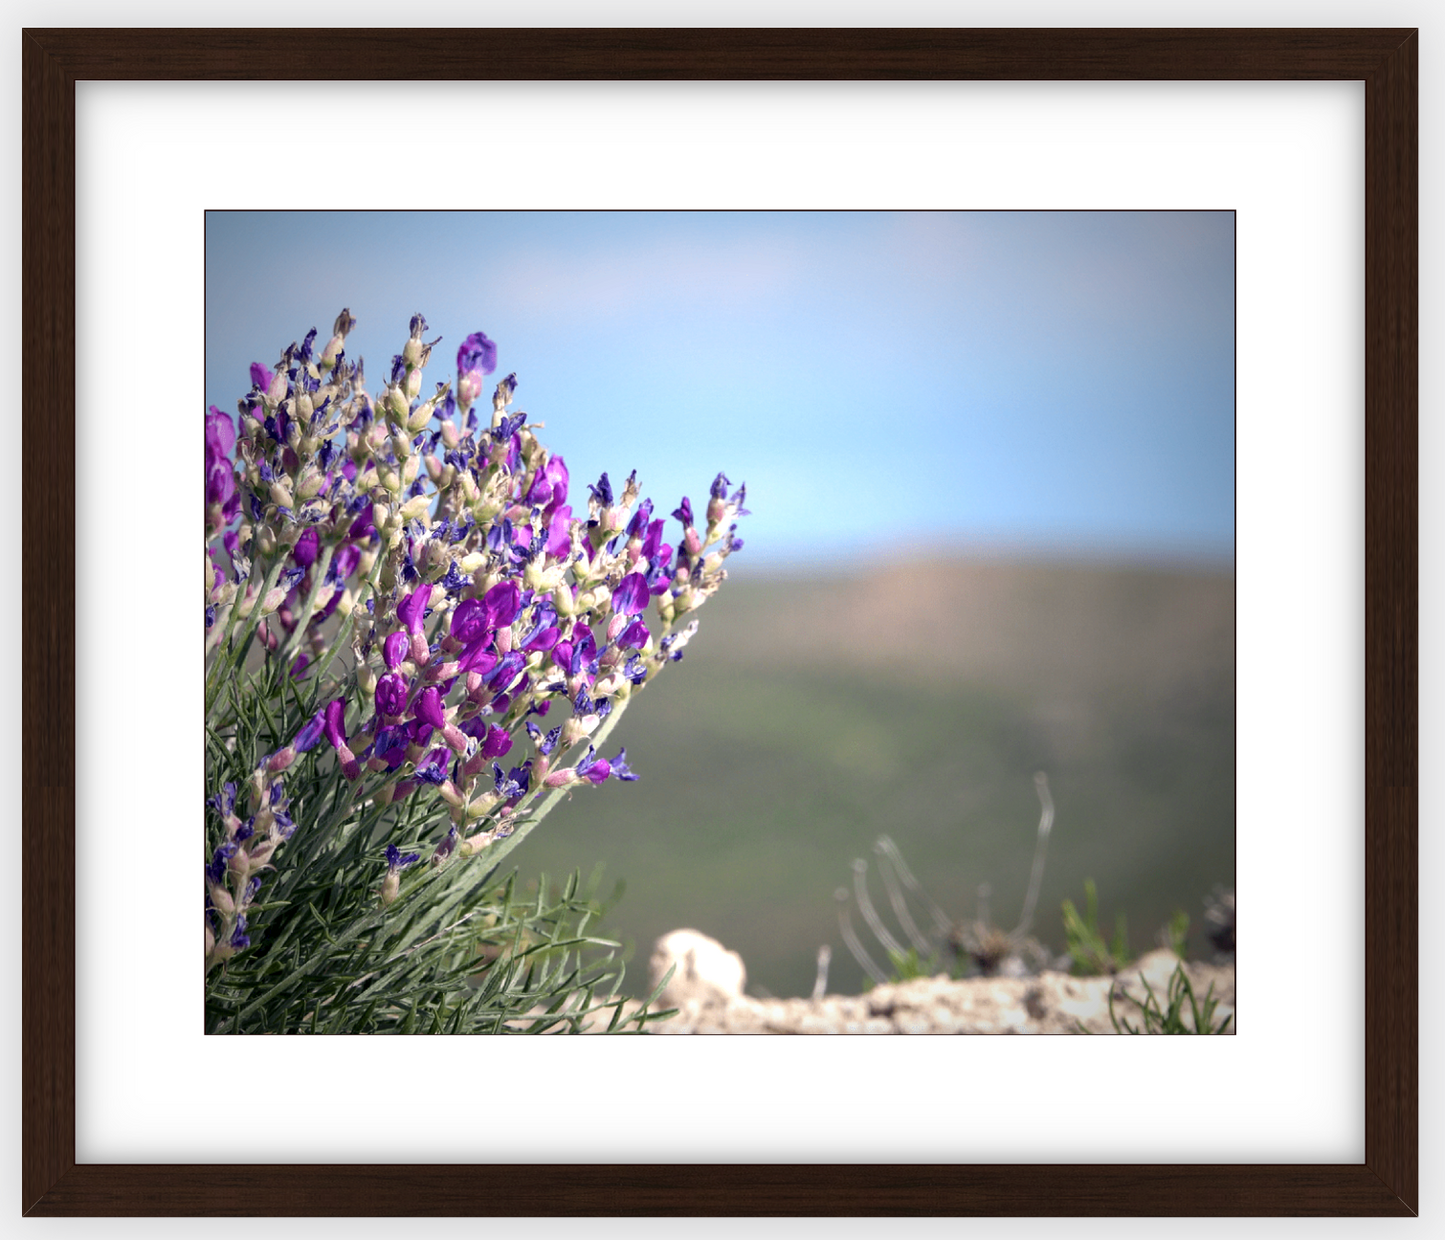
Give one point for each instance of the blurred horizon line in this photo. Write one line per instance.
(1204, 557)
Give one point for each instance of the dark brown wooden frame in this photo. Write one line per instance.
(1385, 60)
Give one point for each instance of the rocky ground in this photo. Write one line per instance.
(707, 983)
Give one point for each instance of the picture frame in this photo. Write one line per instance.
(1386, 1183)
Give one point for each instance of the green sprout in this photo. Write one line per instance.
(1157, 1019)
(1091, 954)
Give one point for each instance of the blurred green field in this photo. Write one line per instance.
(811, 714)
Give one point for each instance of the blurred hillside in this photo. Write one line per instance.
(812, 714)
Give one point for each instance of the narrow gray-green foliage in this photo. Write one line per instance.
(1156, 1018)
(460, 950)
(1089, 951)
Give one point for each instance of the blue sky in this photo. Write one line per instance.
(884, 382)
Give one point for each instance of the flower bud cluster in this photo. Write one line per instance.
(233, 873)
(446, 551)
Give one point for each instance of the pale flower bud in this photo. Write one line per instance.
(576, 728)
(310, 485)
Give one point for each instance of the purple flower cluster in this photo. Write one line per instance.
(233, 873)
(474, 596)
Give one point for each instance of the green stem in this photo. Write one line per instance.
(368, 587)
(303, 617)
(495, 852)
(224, 657)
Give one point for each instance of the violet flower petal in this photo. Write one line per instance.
(631, 595)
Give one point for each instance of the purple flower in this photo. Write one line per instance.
(390, 745)
(455, 580)
(634, 636)
(638, 525)
(411, 611)
(477, 657)
(542, 639)
(261, 377)
(684, 511)
(239, 937)
(584, 652)
(556, 472)
(559, 533)
(304, 553)
(477, 353)
(515, 782)
(216, 870)
(545, 744)
(653, 548)
(335, 717)
(363, 524)
(429, 707)
(220, 433)
(620, 769)
(503, 602)
(506, 432)
(631, 595)
(391, 694)
(433, 768)
(469, 621)
(549, 487)
(343, 564)
(592, 768)
(498, 742)
(221, 483)
(394, 648)
(506, 671)
(310, 732)
(396, 861)
(601, 491)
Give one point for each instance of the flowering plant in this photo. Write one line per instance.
(415, 648)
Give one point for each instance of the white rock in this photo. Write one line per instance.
(706, 972)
